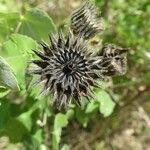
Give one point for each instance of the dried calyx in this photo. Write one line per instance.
(69, 69)
(117, 57)
(85, 21)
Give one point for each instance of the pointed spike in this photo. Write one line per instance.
(77, 97)
(50, 38)
(89, 100)
(105, 62)
(123, 50)
(69, 39)
(46, 48)
(41, 55)
(93, 83)
(61, 40)
(78, 101)
(97, 85)
(69, 98)
(63, 101)
(42, 64)
(45, 91)
(39, 81)
(39, 72)
(53, 42)
(91, 94)
(67, 42)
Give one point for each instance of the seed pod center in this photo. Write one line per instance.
(68, 69)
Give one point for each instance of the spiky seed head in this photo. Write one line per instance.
(68, 69)
(84, 21)
(116, 57)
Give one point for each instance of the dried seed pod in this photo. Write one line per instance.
(84, 21)
(69, 70)
(117, 59)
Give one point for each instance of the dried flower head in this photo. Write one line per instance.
(68, 68)
(116, 58)
(84, 21)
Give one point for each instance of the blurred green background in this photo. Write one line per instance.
(120, 117)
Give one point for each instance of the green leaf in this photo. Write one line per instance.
(38, 136)
(30, 117)
(59, 122)
(65, 147)
(15, 130)
(37, 24)
(17, 51)
(10, 17)
(82, 117)
(56, 139)
(4, 113)
(91, 107)
(8, 23)
(26, 120)
(70, 114)
(7, 77)
(30, 143)
(106, 104)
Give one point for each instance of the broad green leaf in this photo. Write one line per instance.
(37, 24)
(60, 121)
(10, 17)
(70, 114)
(38, 136)
(17, 51)
(30, 117)
(8, 23)
(91, 107)
(15, 130)
(4, 113)
(82, 117)
(26, 120)
(106, 104)
(7, 77)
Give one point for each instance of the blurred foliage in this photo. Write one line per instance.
(29, 119)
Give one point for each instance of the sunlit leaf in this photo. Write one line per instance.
(8, 23)
(70, 114)
(18, 51)
(106, 104)
(60, 121)
(92, 106)
(38, 135)
(26, 120)
(37, 24)
(7, 77)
